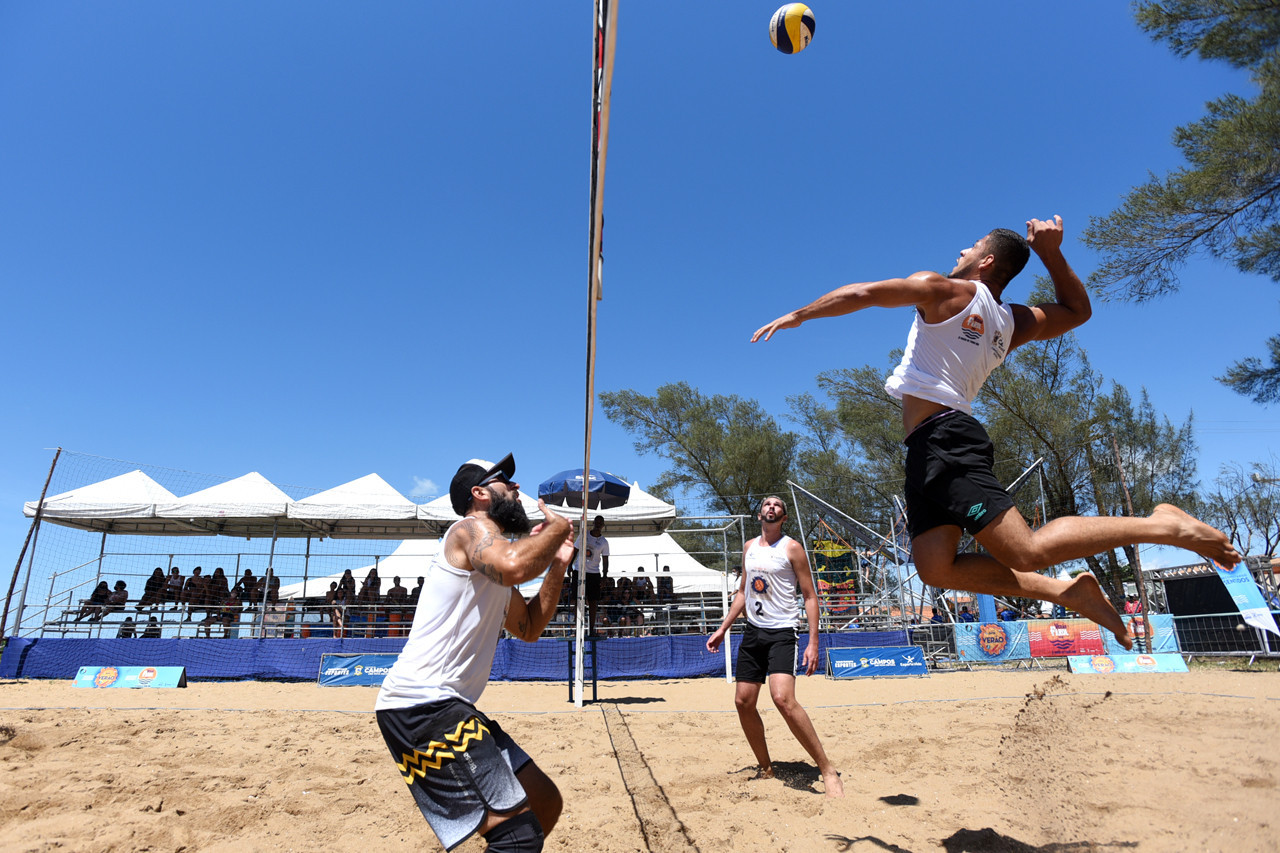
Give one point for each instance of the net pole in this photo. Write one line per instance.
(606, 31)
(17, 568)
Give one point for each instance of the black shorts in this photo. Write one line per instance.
(765, 651)
(457, 763)
(950, 476)
(593, 587)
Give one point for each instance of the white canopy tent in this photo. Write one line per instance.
(125, 504)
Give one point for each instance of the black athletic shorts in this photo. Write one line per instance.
(593, 587)
(458, 764)
(765, 651)
(950, 476)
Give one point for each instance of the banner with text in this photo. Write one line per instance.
(131, 676)
(1247, 597)
(1106, 664)
(992, 642)
(354, 670)
(1056, 638)
(872, 662)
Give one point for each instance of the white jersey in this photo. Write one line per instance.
(947, 362)
(771, 584)
(455, 631)
(597, 547)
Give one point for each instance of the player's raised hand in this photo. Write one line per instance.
(786, 321)
(1043, 235)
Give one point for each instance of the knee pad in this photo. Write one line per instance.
(521, 834)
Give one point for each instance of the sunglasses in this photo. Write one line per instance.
(495, 477)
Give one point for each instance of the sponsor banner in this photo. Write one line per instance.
(1057, 638)
(1164, 639)
(992, 642)
(885, 660)
(131, 676)
(1106, 664)
(1247, 597)
(354, 670)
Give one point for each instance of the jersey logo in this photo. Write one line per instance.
(759, 585)
(997, 345)
(971, 329)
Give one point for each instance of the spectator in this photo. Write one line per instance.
(152, 631)
(417, 591)
(126, 631)
(338, 615)
(666, 588)
(118, 598)
(348, 583)
(153, 592)
(641, 586)
(939, 617)
(245, 586)
(1132, 605)
(173, 587)
(215, 596)
(1008, 614)
(397, 596)
(595, 560)
(193, 591)
(966, 616)
(95, 607)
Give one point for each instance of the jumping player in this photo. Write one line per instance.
(774, 569)
(962, 331)
(466, 774)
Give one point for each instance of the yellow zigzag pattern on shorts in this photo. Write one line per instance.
(437, 753)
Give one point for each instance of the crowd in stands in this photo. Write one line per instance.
(628, 605)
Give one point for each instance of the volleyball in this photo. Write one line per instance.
(791, 28)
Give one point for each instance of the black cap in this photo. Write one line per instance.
(472, 474)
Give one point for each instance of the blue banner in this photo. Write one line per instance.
(1164, 639)
(131, 676)
(1247, 597)
(1106, 664)
(354, 670)
(992, 642)
(873, 662)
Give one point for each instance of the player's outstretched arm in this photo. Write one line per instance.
(513, 563)
(921, 289)
(1072, 308)
(528, 619)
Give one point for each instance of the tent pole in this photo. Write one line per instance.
(306, 565)
(266, 585)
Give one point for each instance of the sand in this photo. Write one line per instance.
(1030, 760)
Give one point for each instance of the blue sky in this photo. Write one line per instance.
(321, 239)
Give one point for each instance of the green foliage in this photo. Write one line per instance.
(1246, 506)
(727, 451)
(1224, 203)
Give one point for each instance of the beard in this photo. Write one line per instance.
(508, 513)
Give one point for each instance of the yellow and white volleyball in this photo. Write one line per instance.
(791, 28)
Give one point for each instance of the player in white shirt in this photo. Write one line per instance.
(465, 773)
(596, 558)
(962, 331)
(774, 570)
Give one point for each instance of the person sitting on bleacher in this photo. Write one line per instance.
(666, 588)
(127, 628)
(193, 592)
(173, 587)
(95, 607)
(397, 596)
(153, 592)
(152, 631)
(116, 601)
(215, 594)
(641, 587)
(244, 586)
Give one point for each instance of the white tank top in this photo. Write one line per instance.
(947, 362)
(455, 631)
(771, 585)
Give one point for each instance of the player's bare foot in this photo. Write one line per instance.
(835, 787)
(1194, 535)
(763, 773)
(1086, 597)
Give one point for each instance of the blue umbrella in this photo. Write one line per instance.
(604, 491)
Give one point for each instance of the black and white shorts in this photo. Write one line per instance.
(950, 476)
(765, 651)
(458, 763)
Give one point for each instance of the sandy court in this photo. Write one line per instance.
(993, 761)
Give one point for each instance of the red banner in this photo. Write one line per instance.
(1055, 638)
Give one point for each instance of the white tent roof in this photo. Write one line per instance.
(251, 506)
(128, 500)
